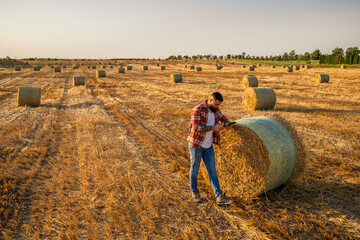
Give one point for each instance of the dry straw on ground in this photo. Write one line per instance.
(176, 78)
(100, 73)
(78, 80)
(322, 78)
(249, 80)
(29, 96)
(259, 98)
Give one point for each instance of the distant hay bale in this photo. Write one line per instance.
(121, 70)
(259, 65)
(48, 64)
(64, 66)
(244, 66)
(232, 63)
(176, 78)
(29, 96)
(289, 69)
(296, 67)
(307, 67)
(162, 67)
(111, 66)
(52, 66)
(249, 80)
(56, 63)
(192, 67)
(322, 78)
(185, 66)
(257, 155)
(251, 68)
(129, 67)
(218, 67)
(104, 66)
(82, 64)
(302, 66)
(145, 68)
(254, 66)
(100, 73)
(78, 80)
(57, 69)
(36, 68)
(284, 66)
(75, 67)
(259, 98)
(17, 68)
(343, 66)
(199, 69)
(158, 64)
(274, 66)
(217, 61)
(93, 66)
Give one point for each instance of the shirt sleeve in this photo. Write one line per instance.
(196, 120)
(222, 118)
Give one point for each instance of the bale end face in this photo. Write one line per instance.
(259, 98)
(322, 78)
(176, 78)
(78, 80)
(29, 96)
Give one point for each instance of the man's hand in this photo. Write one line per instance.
(217, 128)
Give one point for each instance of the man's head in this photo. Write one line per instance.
(215, 101)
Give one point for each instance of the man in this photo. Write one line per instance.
(206, 123)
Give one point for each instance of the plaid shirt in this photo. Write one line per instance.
(199, 117)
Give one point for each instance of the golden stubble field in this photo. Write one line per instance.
(109, 160)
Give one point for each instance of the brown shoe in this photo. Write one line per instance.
(196, 196)
(223, 200)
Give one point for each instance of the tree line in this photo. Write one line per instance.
(338, 56)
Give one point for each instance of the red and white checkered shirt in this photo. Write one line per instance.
(198, 122)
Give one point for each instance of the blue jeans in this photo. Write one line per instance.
(208, 156)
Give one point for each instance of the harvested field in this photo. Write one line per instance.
(109, 159)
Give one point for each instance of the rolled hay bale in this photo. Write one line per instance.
(29, 96)
(259, 98)
(104, 66)
(88, 67)
(274, 66)
(257, 155)
(78, 80)
(218, 67)
(343, 66)
(244, 66)
(52, 66)
(56, 63)
(48, 64)
(198, 69)
(251, 68)
(63, 66)
(129, 67)
(176, 78)
(259, 65)
(249, 80)
(302, 66)
(82, 64)
(75, 67)
(111, 66)
(100, 73)
(185, 66)
(232, 63)
(296, 67)
(307, 66)
(162, 67)
(158, 64)
(121, 70)
(192, 67)
(284, 66)
(145, 68)
(93, 66)
(57, 69)
(17, 68)
(254, 66)
(289, 69)
(322, 78)
(36, 68)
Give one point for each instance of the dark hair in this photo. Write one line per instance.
(217, 96)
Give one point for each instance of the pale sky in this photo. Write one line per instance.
(160, 28)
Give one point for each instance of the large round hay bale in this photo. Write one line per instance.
(296, 67)
(162, 67)
(257, 155)
(100, 73)
(111, 66)
(259, 65)
(185, 66)
(64, 66)
(284, 66)
(232, 63)
(302, 66)
(121, 70)
(251, 68)
(322, 78)
(158, 64)
(343, 66)
(36, 68)
(17, 68)
(199, 69)
(145, 68)
(78, 80)
(259, 98)
(273, 66)
(192, 67)
(244, 66)
(218, 67)
(88, 67)
(93, 66)
(75, 67)
(176, 78)
(29, 96)
(104, 66)
(57, 69)
(129, 67)
(249, 80)
(307, 66)
(289, 69)
(52, 66)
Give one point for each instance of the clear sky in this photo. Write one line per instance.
(160, 28)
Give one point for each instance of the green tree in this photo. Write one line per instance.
(179, 57)
(306, 56)
(194, 57)
(338, 51)
(292, 55)
(221, 57)
(352, 50)
(285, 57)
(315, 55)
